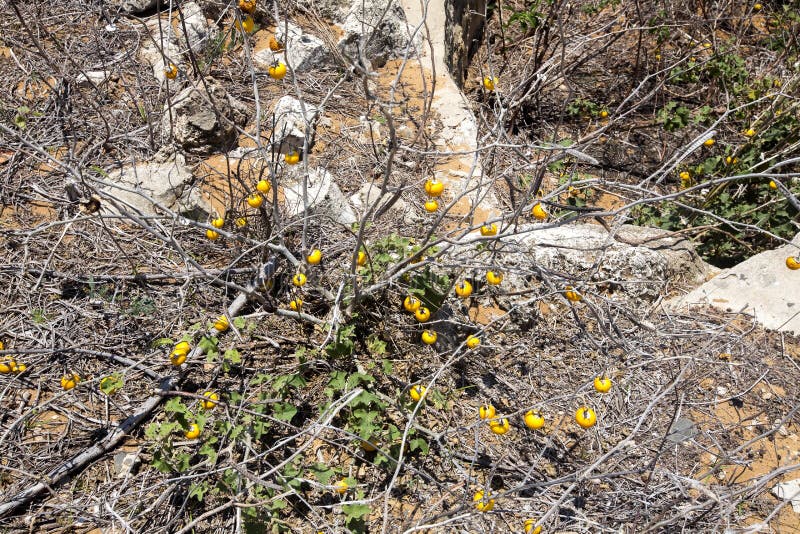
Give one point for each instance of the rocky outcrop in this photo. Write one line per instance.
(463, 31)
(164, 182)
(161, 49)
(197, 29)
(322, 196)
(291, 124)
(302, 51)
(761, 286)
(204, 118)
(134, 7)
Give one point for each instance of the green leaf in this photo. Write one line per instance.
(356, 511)
(239, 322)
(387, 367)
(198, 490)
(175, 405)
(162, 342)
(283, 411)
(232, 356)
(336, 384)
(418, 444)
(111, 384)
(322, 472)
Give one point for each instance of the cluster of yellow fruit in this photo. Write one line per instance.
(434, 188)
(178, 355)
(10, 365)
(70, 381)
(247, 23)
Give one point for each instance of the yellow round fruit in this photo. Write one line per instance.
(530, 527)
(292, 158)
(21, 368)
(749, 132)
(494, 278)
(69, 381)
(219, 222)
(604, 114)
(299, 280)
(5, 368)
(171, 72)
(341, 487)
(221, 324)
(212, 235)
(490, 83)
(602, 384)
(210, 400)
(500, 427)
(685, 176)
(486, 411)
(431, 205)
(411, 304)
(473, 341)
(482, 503)
(757, 7)
(488, 230)
(241, 222)
(534, 419)
(422, 314)
(464, 289)
(539, 212)
(434, 187)
(315, 257)
(182, 346)
(417, 392)
(255, 200)
(296, 304)
(12, 364)
(572, 295)
(274, 44)
(177, 359)
(247, 24)
(793, 263)
(773, 185)
(193, 432)
(264, 186)
(248, 6)
(362, 258)
(429, 337)
(728, 160)
(709, 142)
(278, 71)
(2, 345)
(585, 417)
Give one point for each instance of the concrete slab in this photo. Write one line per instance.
(762, 286)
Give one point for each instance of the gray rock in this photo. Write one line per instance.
(291, 124)
(324, 196)
(135, 6)
(164, 182)
(204, 118)
(761, 285)
(93, 77)
(379, 26)
(198, 31)
(463, 33)
(160, 50)
(302, 51)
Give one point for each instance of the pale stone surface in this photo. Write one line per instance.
(789, 491)
(302, 51)
(761, 285)
(198, 30)
(204, 118)
(134, 6)
(92, 77)
(291, 124)
(162, 49)
(323, 195)
(166, 181)
(377, 26)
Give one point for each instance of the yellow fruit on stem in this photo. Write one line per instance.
(315, 257)
(182, 346)
(534, 419)
(572, 295)
(685, 176)
(219, 222)
(488, 230)
(585, 417)
(483, 503)
(362, 258)
(274, 44)
(494, 278)
(21, 368)
(248, 6)
(749, 132)
(486, 411)
(296, 304)
(255, 200)
(210, 400)
(416, 392)
(411, 304)
(464, 289)
(193, 432)
(241, 222)
(264, 186)
(341, 487)
(277, 71)
(709, 142)
(431, 205)
(69, 381)
(500, 427)
(539, 212)
(602, 384)
(773, 185)
(292, 158)
(530, 527)
(299, 280)
(434, 187)
(473, 341)
(212, 235)
(422, 314)
(171, 72)
(177, 358)
(221, 324)
(429, 337)
(604, 114)
(490, 83)
(793, 263)
(247, 24)
(5, 368)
